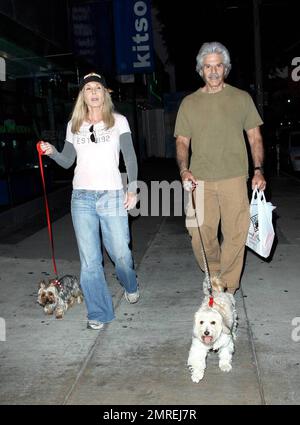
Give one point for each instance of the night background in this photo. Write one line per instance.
(189, 24)
(47, 46)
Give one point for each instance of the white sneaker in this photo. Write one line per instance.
(95, 325)
(133, 297)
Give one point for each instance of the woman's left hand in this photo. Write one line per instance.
(130, 200)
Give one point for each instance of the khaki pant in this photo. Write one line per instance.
(225, 202)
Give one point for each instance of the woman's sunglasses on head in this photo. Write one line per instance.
(92, 135)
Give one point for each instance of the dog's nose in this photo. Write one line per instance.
(206, 333)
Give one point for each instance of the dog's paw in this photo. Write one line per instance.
(59, 313)
(197, 375)
(48, 309)
(225, 367)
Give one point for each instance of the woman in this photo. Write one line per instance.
(95, 135)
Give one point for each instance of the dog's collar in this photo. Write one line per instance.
(57, 283)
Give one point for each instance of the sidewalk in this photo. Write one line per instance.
(140, 358)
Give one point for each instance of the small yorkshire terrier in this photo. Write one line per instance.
(59, 295)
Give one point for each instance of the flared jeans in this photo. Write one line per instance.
(93, 211)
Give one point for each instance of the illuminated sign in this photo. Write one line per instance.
(133, 36)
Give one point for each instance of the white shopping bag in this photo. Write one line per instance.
(261, 232)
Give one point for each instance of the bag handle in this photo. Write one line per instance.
(254, 194)
(259, 194)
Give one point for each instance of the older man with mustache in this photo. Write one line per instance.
(213, 120)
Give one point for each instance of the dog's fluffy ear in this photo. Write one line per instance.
(196, 323)
(196, 317)
(42, 284)
(225, 328)
(226, 324)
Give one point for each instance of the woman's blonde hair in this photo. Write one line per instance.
(80, 111)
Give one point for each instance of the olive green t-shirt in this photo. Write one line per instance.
(215, 122)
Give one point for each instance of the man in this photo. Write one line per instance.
(213, 119)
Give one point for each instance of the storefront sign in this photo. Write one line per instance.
(133, 36)
(92, 25)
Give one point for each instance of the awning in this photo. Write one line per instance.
(21, 62)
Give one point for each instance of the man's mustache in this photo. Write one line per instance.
(214, 76)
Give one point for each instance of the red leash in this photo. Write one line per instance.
(41, 152)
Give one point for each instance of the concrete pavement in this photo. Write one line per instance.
(140, 358)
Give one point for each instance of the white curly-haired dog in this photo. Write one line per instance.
(214, 329)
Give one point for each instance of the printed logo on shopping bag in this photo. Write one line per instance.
(253, 234)
(254, 220)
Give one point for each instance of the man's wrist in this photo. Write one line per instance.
(184, 170)
(259, 168)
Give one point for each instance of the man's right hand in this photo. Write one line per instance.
(188, 181)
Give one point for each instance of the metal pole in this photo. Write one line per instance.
(257, 56)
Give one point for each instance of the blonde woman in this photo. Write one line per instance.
(95, 135)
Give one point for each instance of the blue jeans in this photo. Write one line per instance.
(91, 209)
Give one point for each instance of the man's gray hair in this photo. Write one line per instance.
(209, 48)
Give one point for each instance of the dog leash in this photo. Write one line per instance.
(206, 269)
(40, 153)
